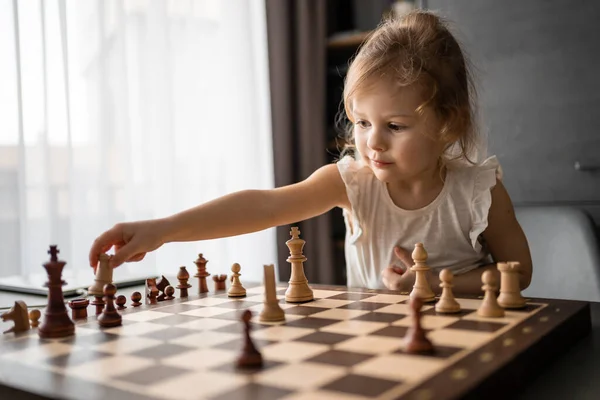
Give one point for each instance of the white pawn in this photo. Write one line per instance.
(447, 303)
(104, 276)
(236, 289)
(489, 307)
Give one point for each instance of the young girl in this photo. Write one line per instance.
(408, 98)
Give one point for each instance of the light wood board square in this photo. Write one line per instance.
(338, 313)
(35, 354)
(386, 298)
(302, 376)
(201, 358)
(353, 327)
(145, 316)
(109, 367)
(206, 311)
(292, 351)
(323, 294)
(208, 301)
(400, 366)
(197, 385)
(206, 324)
(459, 338)
(136, 329)
(281, 333)
(204, 339)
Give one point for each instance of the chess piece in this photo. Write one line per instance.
(510, 289)
(34, 316)
(250, 356)
(183, 276)
(219, 282)
(415, 340)
(121, 300)
(19, 315)
(135, 298)
(298, 290)
(98, 303)
(271, 311)
(104, 275)
(201, 273)
(447, 303)
(161, 286)
(236, 289)
(151, 291)
(489, 306)
(56, 323)
(79, 308)
(421, 288)
(169, 291)
(109, 317)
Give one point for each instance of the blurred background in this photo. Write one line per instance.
(119, 110)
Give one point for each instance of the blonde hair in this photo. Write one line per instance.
(418, 48)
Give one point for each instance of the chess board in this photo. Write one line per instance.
(346, 344)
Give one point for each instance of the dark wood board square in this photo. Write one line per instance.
(473, 325)
(367, 306)
(463, 312)
(314, 323)
(93, 339)
(239, 344)
(527, 309)
(439, 351)
(253, 391)
(324, 338)
(391, 331)
(174, 319)
(239, 328)
(75, 357)
(161, 351)
(361, 385)
(340, 357)
(351, 296)
(152, 374)
(304, 310)
(232, 368)
(379, 317)
(21, 343)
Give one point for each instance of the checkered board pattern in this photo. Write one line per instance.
(343, 345)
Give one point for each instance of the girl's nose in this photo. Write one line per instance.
(376, 142)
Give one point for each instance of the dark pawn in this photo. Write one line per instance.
(121, 300)
(250, 357)
(416, 341)
(109, 317)
(135, 298)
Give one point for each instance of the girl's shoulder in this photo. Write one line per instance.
(482, 174)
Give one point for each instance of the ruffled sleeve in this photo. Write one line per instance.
(349, 169)
(485, 176)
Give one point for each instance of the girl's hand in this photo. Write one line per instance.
(399, 277)
(132, 240)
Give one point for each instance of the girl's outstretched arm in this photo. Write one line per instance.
(238, 213)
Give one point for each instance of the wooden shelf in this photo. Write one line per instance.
(351, 39)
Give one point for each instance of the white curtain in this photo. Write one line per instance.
(129, 109)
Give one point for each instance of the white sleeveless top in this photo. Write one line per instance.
(449, 227)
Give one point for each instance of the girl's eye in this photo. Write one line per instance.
(362, 124)
(396, 127)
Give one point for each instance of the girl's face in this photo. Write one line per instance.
(398, 144)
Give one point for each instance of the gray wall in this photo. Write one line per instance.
(537, 63)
